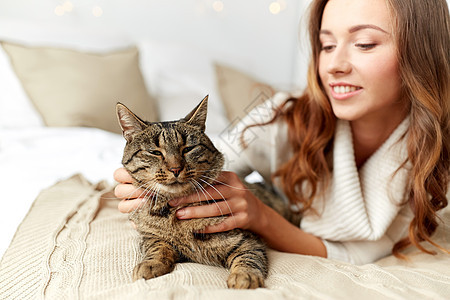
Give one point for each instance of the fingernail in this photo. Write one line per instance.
(180, 213)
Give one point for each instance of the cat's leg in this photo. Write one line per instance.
(159, 259)
(248, 264)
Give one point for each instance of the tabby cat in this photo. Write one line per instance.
(174, 159)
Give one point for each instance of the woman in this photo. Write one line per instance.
(364, 152)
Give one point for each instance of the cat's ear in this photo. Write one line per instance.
(128, 121)
(197, 117)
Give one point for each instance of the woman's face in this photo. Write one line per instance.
(357, 63)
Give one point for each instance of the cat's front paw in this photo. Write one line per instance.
(245, 280)
(150, 269)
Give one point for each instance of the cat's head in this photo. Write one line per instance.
(174, 158)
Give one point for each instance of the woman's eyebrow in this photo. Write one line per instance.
(366, 26)
(324, 31)
(355, 29)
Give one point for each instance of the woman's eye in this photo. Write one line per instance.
(187, 149)
(365, 46)
(155, 152)
(327, 48)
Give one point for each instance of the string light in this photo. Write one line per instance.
(277, 6)
(61, 9)
(68, 6)
(97, 11)
(217, 6)
(274, 8)
(282, 4)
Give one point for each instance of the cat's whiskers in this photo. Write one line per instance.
(142, 187)
(147, 190)
(203, 190)
(199, 187)
(156, 196)
(147, 194)
(195, 188)
(221, 195)
(153, 199)
(223, 183)
(127, 196)
(141, 204)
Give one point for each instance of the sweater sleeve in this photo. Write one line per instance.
(359, 252)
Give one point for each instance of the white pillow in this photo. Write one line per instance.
(180, 76)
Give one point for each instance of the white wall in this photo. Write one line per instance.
(244, 32)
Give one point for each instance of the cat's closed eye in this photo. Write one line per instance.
(188, 149)
(155, 152)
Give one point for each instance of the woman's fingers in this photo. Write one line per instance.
(219, 208)
(211, 193)
(127, 206)
(128, 191)
(226, 186)
(121, 175)
(132, 196)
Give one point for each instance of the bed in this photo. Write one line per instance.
(62, 236)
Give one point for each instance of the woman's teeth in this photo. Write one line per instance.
(340, 89)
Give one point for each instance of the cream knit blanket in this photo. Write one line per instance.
(74, 244)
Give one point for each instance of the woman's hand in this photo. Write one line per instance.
(244, 211)
(131, 196)
(232, 198)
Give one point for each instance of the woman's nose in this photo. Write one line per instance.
(339, 62)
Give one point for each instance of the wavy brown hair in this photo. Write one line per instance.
(422, 40)
(423, 45)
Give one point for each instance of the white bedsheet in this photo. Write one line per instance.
(32, 159)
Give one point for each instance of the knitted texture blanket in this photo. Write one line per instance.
(74, 244)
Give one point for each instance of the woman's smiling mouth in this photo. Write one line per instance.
(341, 91)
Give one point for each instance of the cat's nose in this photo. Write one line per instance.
(176, 171)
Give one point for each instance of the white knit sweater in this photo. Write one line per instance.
(360, 218)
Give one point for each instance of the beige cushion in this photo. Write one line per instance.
(71, 88)
(240, 93)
